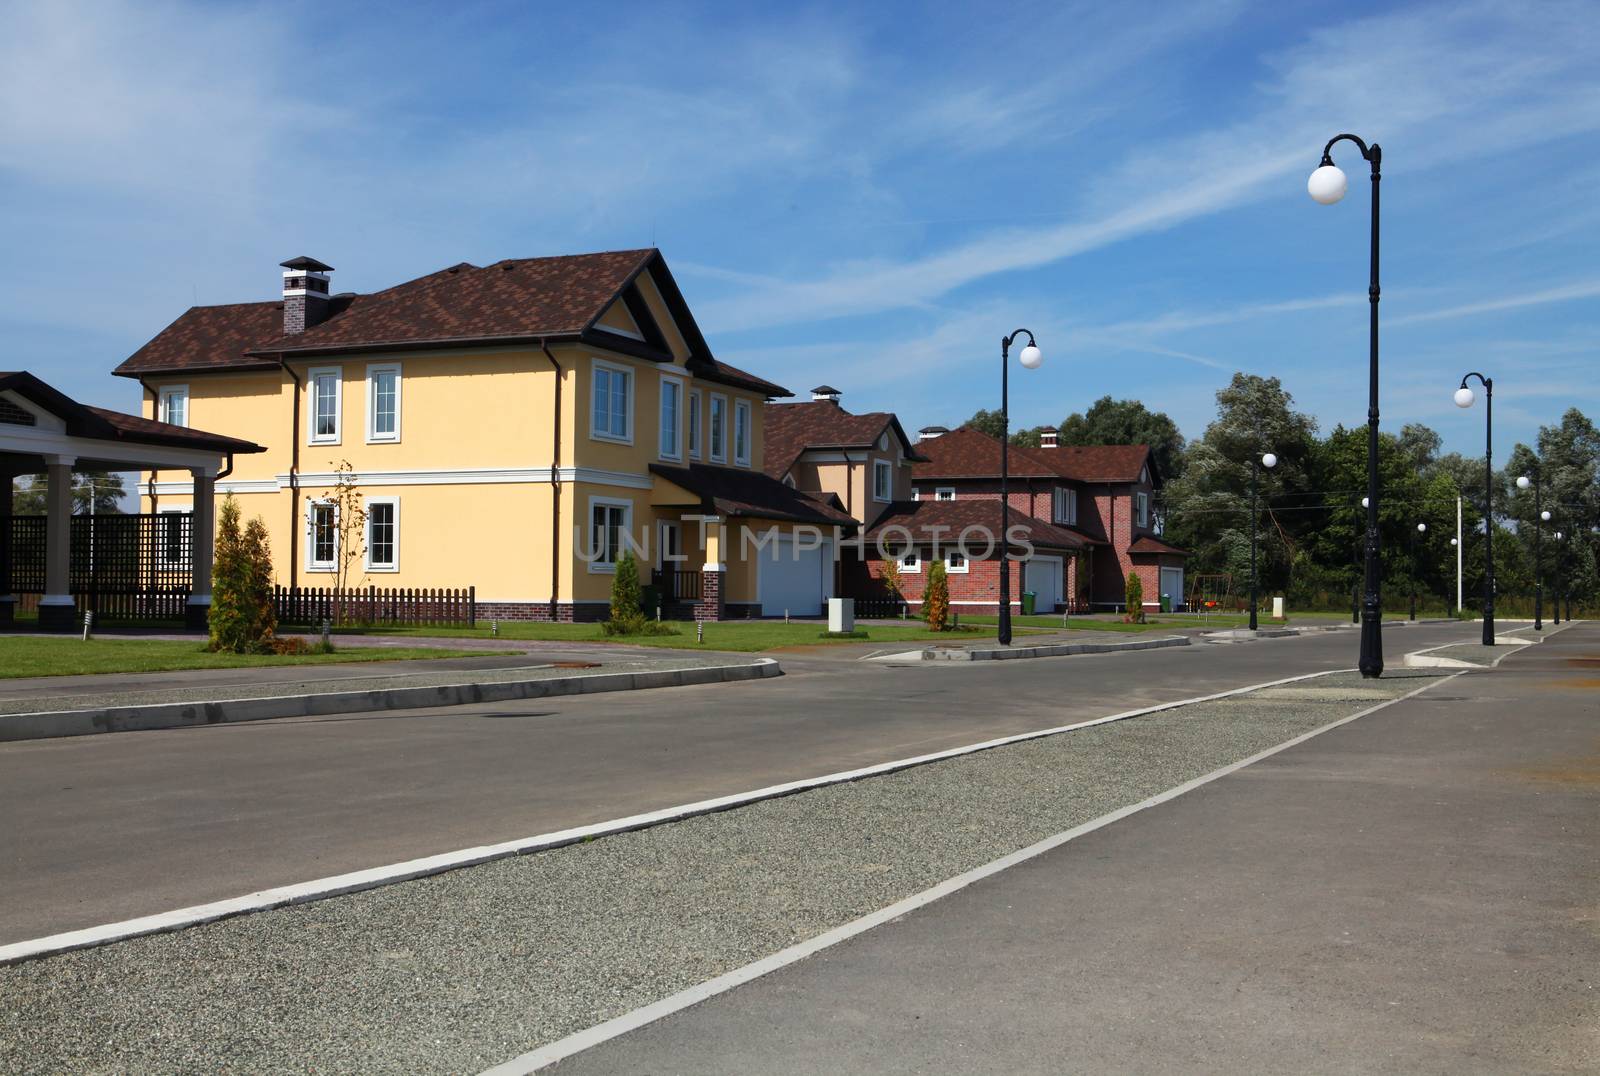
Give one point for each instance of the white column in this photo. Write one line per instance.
(56, 608)
(202, 540)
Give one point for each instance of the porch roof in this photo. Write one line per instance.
(732, 491)
(944, 521)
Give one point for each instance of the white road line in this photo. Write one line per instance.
(375, 877)
(621, 1025)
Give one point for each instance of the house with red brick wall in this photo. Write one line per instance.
(1102, 495)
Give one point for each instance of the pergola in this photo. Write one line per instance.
(45, 432)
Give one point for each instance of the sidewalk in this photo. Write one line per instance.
(1412, 892)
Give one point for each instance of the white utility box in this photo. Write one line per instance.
(841, 614)
(1277, 608)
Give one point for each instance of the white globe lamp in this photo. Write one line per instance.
(1269, 461)
(1327, 184)
(1522, 482)
(1464, 397)
(1031, 357)
(1545, 516)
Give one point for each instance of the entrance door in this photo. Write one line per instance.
(1042, 575)
(1172, 584)
(669, 547)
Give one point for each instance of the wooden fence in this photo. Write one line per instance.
(376, 605)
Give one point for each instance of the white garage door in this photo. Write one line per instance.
(1042, 575)
(1172, 585)
(797, 581)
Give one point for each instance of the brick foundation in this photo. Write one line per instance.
(540, 612)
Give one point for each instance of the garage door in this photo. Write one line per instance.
(1042, 575)
(1172, 585)
(797, 581)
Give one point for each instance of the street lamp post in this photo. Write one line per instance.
(1355, 588)
(1030, 358)
(1559, 549)
(1327, 185)
(1422, 528)
(1269, 461)
(1455, 545)
(1464, 398)
(1540, 516)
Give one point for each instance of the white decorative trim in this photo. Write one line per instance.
(598, 567)
(467, 476)
(713, 566)
(57, 599)
(312, 563)
(676, 455)
(164, 489)
(312, 375)
(595, 366)
(393, 566)
(374, 369)
(162, 411)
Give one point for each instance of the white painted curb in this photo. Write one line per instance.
(373, 878)
(47, 725)
(648, 1014)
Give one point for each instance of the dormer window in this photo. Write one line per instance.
(882, 480)
(1141, 508)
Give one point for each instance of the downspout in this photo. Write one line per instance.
(226, 471)
(555, 489)
(294, 477)
(155, 411)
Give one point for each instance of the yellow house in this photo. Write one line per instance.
(511, 427)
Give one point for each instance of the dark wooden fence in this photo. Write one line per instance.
(377, 605)
(677, 586)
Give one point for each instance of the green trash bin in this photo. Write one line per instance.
(1028, 600)
(1166, 603)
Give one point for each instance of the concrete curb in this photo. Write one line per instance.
(41, 726)
(1056, 650)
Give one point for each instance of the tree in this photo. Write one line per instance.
(989, 422)
(1134, 595)
(350, 521)
(103, 490)
(1128, 422)
(625, 590)
(936, 596)
(258, 555)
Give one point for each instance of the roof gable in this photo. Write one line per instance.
(792, 429)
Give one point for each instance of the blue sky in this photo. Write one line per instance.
(864, 195)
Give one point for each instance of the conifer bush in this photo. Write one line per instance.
(1134, 594)
(936, 597)
(241, 619)
(626, 617)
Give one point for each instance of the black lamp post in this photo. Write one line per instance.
(1422, 528)
(1539, 518)
(1327, 185)
(1355, 588)
(1268, 461)
(1030, 358)
(1464, 398)
(1560, 548)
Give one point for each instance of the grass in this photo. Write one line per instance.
(69, 656)
(746, 636)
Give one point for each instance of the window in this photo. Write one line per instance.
(741, 432)
(322, 551)
(944, 493)
(383, 534)
(671, 418)
(955, 562)
(1066, 505)
(326, 403)
(383, 403)
(694, 424)
(916, 493)
(1141, 508)
(608, 528)
(613, 399)
(719, 444)
(882, 480)
(175, 405)
(911, 561)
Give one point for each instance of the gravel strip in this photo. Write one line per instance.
(376, 682)
(461, 971)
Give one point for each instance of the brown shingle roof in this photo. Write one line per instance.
(791, 429)
(83, 420)
(970, 453)
(1146, 544)
(731, 491)
(526, 299)
(924, 518)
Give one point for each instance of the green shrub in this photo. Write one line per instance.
(1134, 593)
(232, 617)
(637, 624)
(936, 597)
(625, 589)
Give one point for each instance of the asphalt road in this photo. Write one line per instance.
(1412, 892)
(104, 828)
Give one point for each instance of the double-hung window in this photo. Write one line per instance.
(608, 524)
(694, 424)
(383, 402)
(719, 429)
(326, 390)
(383, 534)
(741, 432)
(911, 561)
(944, 493)
(175, 405)
(611, 415)
(322, 545)
(671, 418)
(1141, 508)
(1066, 506)
(882, 480)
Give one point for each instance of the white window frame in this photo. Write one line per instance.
(393, 565)
(598, 567)
(916, 493)
(186, 554)
(944, 493)
(312, 563)
(915, 567)
(713, 427)
(612, 368)
(883, 467)
(951, 568)
(1141, 508)
(674, 451)
(696, 432)
(164, 407)
(742, 444)
(373, 436)
(312, 376)
(1066, 505)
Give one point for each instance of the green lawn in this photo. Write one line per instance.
(740, 635)
(70, 656)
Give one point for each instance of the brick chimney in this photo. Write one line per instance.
(1047, 438)
(305, 294)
